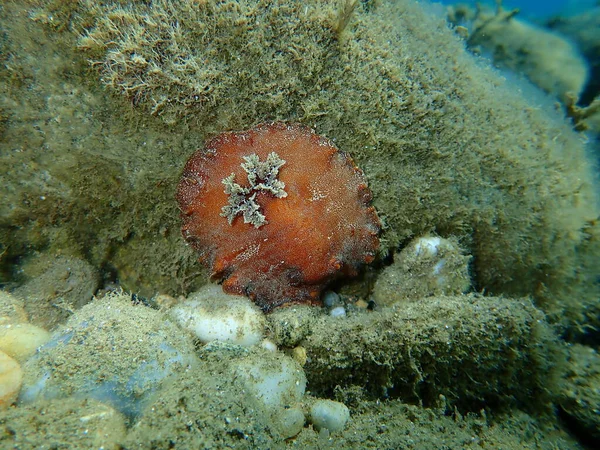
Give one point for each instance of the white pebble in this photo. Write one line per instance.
(290, 422)
(338, 311)
(268, 345)
(427, 246)
(212, 315)
(330, 415)
(276, 383)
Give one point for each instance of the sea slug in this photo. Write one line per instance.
(276, 213)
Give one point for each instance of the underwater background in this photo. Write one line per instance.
(533, 9)
(436, 273)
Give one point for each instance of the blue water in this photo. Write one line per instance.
(533, 9)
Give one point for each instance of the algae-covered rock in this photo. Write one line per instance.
(289, 326)
(201, 410)
(473, 350)
(109, 350)
(427, 266)
(102, 104)
(548, 59)
(66, 423)
(11, 309)
(448, 146)
(584, 30)
(54, 287)
(236, 398)
(580, 397)
(392, 424)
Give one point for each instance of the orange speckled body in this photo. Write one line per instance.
(323, 229)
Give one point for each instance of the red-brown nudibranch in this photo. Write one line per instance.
(277, 212)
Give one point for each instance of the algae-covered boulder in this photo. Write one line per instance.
(580, 397)
(76, 423)
(393, 424)
(475, 351)
(427, 266)
(584, 30)
(449, 147)
(548, 59)
(54, 287)
(110, 350)
(236, 398)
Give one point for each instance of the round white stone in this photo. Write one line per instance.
(338, 311)
(212, 315)
(290, 422)
(427, 246)
(329, 414)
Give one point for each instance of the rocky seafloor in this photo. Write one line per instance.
(475, 327)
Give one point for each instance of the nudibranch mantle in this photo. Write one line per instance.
(277, 212)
